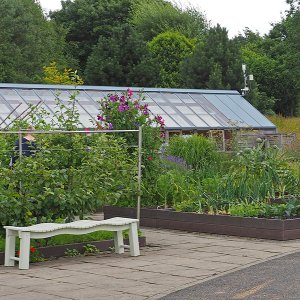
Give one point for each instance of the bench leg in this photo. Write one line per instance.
(134, 240)
(119, 242)
(10, 247)
(24, 250)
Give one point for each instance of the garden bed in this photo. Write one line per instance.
(59, 250)
(273, 229)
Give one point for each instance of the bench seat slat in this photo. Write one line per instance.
(81, 224)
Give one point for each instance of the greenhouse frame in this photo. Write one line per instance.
(215, 113)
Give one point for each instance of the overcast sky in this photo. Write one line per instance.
(235, 15)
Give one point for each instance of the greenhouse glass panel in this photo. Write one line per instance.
(95, 95)
(172, 98)
(45, 95)
(29, 96)
(184, 110)
(64, 96)
(198, 110)
(10, 95)
(4, 109)
(155, 110)
(170, 122)
(168, 109)
(230, 114)
(210, 121)
(197, 121)
(157, 97)
(20, 108)
(182, 122)
(147, 99)
(246, 118)
(186, 98)
(83, 97)
(86, 120)
(204, 103)
(252, 111)
(92, 109)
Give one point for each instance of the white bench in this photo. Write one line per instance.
(45, 230)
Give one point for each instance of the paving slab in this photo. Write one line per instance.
(171, 261)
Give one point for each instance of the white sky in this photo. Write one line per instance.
(235, 15)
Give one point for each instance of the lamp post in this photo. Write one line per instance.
(247, 78)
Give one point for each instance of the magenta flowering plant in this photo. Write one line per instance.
(129, 111)
(126, 111)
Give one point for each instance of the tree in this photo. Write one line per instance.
(53, 75)
(215, 57)
(28, 41)
(152, 17)
(87, 20)
(113, 59)
(170, 49)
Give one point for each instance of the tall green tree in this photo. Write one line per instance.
(87, 20)
(114, 58)
(216, 60)
(28, 41)
(152, 17)
(170, 49)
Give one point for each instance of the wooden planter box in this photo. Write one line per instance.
(59, 250)
(261, 228)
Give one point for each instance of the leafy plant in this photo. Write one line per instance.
(90, 249)
(72, 252)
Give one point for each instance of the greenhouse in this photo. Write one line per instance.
(214, 113)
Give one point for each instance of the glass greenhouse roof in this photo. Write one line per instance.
(182, 109)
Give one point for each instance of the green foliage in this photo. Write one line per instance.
(53, 75)
(72, 252)
(259, 173)
(153, 17)
(90, 249)
(70, 175)
(127, 111)
(114, 58)
(199, 152)
(28, 41)
(170, 49)
(265, 210)
(216, 61)
(87, 20)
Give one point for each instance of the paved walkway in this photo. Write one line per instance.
(173, 260)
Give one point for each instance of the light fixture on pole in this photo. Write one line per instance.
(247, 78)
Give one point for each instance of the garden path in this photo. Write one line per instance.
(172, 260)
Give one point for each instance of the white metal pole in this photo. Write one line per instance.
(139, 173)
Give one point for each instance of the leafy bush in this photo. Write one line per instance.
(259, 173)
(262, 209)
(127, 111)
(71, 174)
(199, 152)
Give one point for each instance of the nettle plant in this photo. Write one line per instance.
(128, 111)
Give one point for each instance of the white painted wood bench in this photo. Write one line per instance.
(45, 230)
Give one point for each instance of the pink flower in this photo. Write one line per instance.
(129, 92)
(113, 98)
(122, 99)
(150, 158)
(123, 107)
(100, 118)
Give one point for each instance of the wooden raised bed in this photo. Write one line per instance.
(273, 229)
(59, 250)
